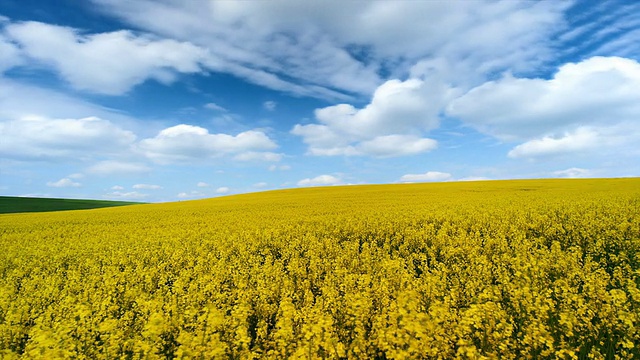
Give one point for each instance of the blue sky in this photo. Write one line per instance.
(173, 100)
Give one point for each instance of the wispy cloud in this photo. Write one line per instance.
(114, 167)
(131, 195)
(269, 105)
(216, 107)
(573, 173)
(64, 182)
(264, 46)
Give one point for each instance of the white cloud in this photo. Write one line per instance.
(258, 156)
(396, 107)
(390, 125)
(396, 145)
(573, 173)
(9, 54)
(269, 105)
(21, 100)
(124, 59)
(580, 140)
(590, 105)
(215, 107)
(192, 194)
(483, 30)
(147, 186)
(260, 185)
(64, 182)
(279, 167)
(34, 137)
(319, 181)
(132, 195)
(117, 187)
(622, 44)
(349, 42)
(76, 176)
(260, 49)
(113, 167)
(203, 184)
(188, 142)
(222, 190)
(426, 177)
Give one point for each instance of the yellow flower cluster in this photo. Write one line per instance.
(543, 269)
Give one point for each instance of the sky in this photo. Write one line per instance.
(174, 100)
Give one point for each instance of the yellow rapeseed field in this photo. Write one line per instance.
(541, 269)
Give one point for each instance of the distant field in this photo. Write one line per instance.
(537, 269)
(15, 204)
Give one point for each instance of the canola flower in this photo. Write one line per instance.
(541, 269)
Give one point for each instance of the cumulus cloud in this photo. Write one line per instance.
(587, 105)
(34, 137)
(117, 187)
(580, 140)
(396, 107)
(319, 181)
(202, 184)
(429, 176)
(114, 167)
(188, 142)
(124, 58)
(392, 124)
(222, 190)
(147, 186)
(260, 185)
(595, 91)
(64, 182)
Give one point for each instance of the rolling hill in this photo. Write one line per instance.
(15, 204)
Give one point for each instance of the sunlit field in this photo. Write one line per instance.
(497, 269)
